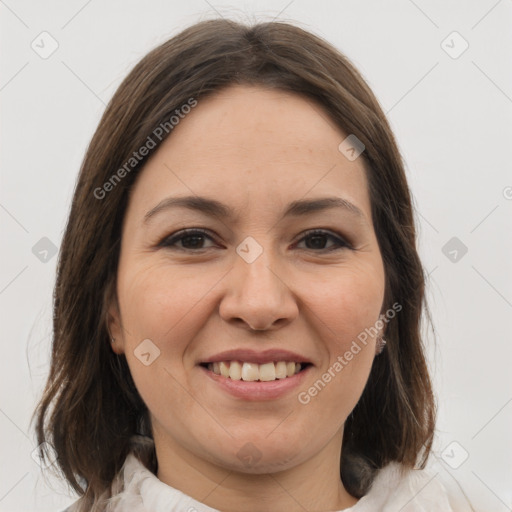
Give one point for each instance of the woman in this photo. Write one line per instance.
(238, 300)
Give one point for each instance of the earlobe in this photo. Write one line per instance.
(114, 330)
(112, 318)
(380, 341)
(379, 347)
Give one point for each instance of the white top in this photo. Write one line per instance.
(417, 491)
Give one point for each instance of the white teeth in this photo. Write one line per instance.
(267, 371)
(224, 369)
(235, 370)
(280, 370)
(251, 372)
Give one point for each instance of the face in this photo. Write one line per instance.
(279, 265)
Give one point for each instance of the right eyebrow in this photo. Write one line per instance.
(202, 204)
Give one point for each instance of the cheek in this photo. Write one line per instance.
(340, 382)
(346, 304)
(167, 306)
(345, 308)
(158, 301)
(155, 306)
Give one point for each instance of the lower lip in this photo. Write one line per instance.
(258, 390)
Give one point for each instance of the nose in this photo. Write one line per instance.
(257, 296)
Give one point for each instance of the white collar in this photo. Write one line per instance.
(392, 490)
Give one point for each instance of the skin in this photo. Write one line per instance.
(255, 150)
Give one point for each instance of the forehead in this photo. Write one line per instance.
(249, 145)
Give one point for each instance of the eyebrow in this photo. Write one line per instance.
(215, 208)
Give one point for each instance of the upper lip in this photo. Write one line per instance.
(257, 357)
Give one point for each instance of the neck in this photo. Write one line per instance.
(314, 484)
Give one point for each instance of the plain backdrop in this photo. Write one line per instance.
(448, 97)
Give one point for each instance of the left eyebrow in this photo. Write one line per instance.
(306, 206)
(215, 208)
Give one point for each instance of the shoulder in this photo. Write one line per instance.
(408, 490)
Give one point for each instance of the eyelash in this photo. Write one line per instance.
(170, 241)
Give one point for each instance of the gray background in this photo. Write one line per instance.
(451, 113)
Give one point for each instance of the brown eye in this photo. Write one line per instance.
(317, 240)
(190, 239)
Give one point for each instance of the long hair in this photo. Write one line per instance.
(90, 408)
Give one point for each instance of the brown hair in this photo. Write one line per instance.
(90, 408)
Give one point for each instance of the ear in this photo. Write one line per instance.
(115, 329)
(113, 321)
(380, 342)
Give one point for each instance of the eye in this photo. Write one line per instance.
(318, 239)
(193, 239)
(190, 239)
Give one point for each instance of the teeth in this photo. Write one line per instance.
(235, 370)
(267, 371)
(251, 372)
(224, 369)
(281, 370)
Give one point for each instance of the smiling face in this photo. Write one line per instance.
(286, 269)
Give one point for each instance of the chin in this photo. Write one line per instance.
(259, 454)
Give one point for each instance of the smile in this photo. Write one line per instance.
(251, 372)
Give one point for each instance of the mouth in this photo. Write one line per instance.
(260, 375)
(252, 381)
(253, 372)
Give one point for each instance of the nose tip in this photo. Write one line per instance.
(257, 297)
